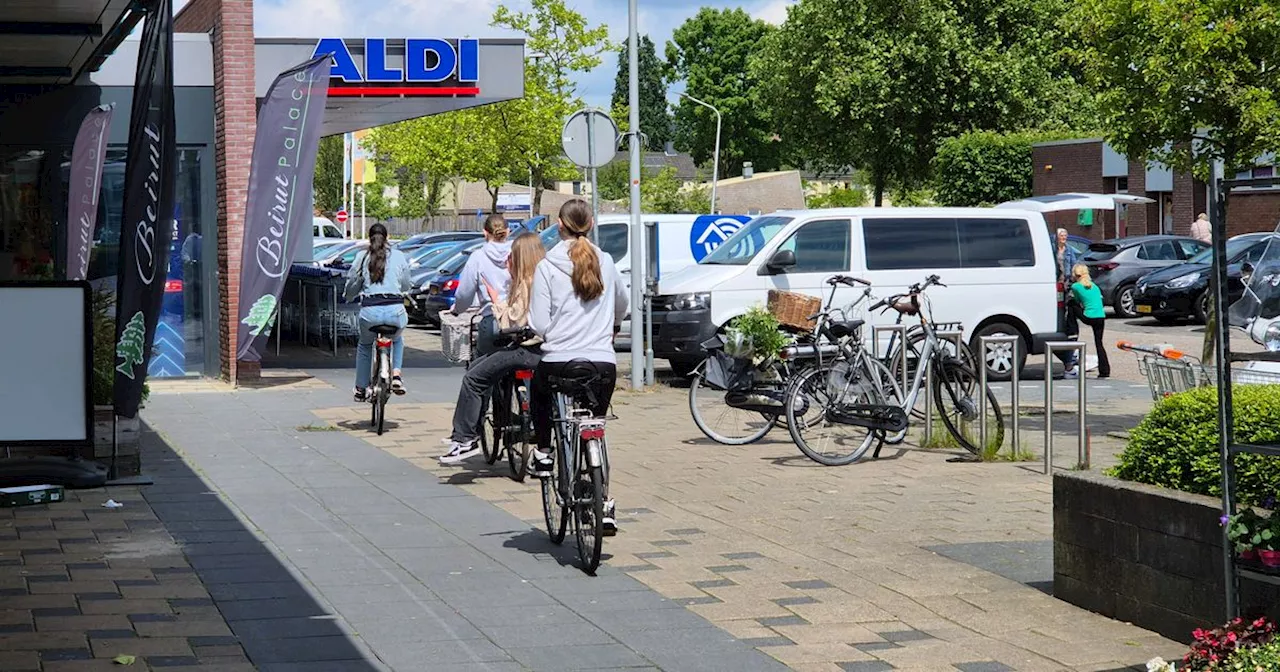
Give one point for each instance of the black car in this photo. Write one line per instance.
(1182, 291)
(1117, 264)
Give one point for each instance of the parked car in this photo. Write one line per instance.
(422, 257)
(443, 286)
(418, 240)
(1182, 291)
(1117, 264)
(322, 230)
(333, 256)
(974, 250)
(421, 277)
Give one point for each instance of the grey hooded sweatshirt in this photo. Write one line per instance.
(490, 264)
(570, 327)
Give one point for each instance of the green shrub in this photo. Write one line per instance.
(1176, 445)
(1265, 658)
(982, 168)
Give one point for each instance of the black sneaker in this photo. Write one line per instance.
(459, 452)
(361, 396)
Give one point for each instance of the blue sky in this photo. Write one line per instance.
(470, 18)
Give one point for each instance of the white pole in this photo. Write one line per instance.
(364, 231)
(638, 263)
(715, 167)
(346, 179)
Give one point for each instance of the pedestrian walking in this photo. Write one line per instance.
(1089, 298)
(1067, 258)
(1200, 229)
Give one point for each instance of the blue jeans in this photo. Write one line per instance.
(393, 315)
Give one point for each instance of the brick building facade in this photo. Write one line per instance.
(1090, 166)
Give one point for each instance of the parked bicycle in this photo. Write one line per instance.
(380, 380)
(838, 411)
(578, 486)
(734, 405)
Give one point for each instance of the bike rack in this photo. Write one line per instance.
(901, 330)
(985, 347)
(1082, 450)
(956, 336)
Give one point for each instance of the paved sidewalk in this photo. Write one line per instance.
(375, 564)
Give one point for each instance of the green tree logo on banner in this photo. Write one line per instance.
(131, 345)
(261, 315)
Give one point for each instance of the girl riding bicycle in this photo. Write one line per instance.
(526, 252)
(379, 277)
(579, 300)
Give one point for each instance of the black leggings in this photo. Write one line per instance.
(542, 406)
(1098, 324)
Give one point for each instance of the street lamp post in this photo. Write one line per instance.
(715, 166)
(637, 234)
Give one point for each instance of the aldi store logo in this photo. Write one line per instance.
(425, 67)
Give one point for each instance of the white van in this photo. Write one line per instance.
(997, 264)
(323, 230)
(683, 241)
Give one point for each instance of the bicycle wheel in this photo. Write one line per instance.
(721, 422)
(955, 396)
(489, 427)
(516, 436)
(816, 398)
(914, 346)
(889, 390)
(555, 511)
(588, 512)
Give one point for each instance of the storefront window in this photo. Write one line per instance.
(179, 345)
(29, 196)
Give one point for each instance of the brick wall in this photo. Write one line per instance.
(235, 120)
(1252, 211)
(1184, 203)
(1076, 167)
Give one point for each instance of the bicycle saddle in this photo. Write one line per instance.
(575, 380)
(384, 329)
(845, 328)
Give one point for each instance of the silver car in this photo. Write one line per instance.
(1116, 265)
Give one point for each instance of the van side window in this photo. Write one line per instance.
(613, 240)
(820, 247)
(897, 243)
(995, 243)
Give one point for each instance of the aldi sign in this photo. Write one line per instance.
(409, 67)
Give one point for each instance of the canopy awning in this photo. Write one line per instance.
(1075, 201)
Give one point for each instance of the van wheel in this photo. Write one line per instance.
(999, 359)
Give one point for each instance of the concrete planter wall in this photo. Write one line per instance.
(1145, 555)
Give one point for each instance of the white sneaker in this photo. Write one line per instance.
(609, 520)
(540, 464)
(1072, 374)
(459, 452)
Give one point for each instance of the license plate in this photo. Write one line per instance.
(1144, 309)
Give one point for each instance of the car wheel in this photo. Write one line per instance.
(1126, 302)
(999, 359)
(1202, 308)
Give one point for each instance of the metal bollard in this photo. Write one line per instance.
(1050, 348)
(986, 343)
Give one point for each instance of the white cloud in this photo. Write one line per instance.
(773, 11)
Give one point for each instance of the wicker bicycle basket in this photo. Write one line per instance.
(455, 336)
(793, 310)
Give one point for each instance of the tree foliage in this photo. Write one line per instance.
(877, 84)
(327, 182)
(655, 120)
(614, 180)
(983, 168)
(710, 52)
(853, 196)
(663, 192)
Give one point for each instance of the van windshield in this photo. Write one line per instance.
(740, 248)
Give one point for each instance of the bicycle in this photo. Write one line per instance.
(508, 419)
(855, 391)
(579, 483)
(744, 416)
(380, 379)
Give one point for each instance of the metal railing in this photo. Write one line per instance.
(1082, 449)
(985, 348)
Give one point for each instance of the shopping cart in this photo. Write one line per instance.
(1171, 371)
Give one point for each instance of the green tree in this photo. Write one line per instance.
(327, 183)
(710, 52)
(563, 45)
(1185, 82)
(614, 180)
(877, 85)
(663, 192)
(983, 168)
(839, 197)
(655, 120)
(376, 205)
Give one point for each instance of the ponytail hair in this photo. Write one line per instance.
(378, 253)
(1082, 276)
(496, 226)
(575, 223)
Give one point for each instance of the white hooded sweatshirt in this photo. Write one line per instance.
(490, 264)
(570, 327)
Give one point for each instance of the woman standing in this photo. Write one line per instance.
(380, 278)
(526, 252)
(1089, 297)
(579, 300)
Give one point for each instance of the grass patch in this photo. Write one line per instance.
(318, 428)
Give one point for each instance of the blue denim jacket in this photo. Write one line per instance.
(394, 281)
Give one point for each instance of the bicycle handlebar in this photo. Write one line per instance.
(847, 281)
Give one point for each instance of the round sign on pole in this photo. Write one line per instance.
(342, 217)
(589, 138)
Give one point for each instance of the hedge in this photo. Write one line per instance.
(1176, 445)
(983, 168)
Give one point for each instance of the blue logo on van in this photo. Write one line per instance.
(709, 231)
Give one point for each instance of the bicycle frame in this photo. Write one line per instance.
(573, 425)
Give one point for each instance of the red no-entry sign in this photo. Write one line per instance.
(342, 217)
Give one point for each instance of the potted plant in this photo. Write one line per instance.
(756, 334)
(1241, 528)
(1267, 541)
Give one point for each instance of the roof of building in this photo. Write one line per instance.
(686, 169)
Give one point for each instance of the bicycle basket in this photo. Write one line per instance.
(455, 336)
(728, 373)
(792, 309)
